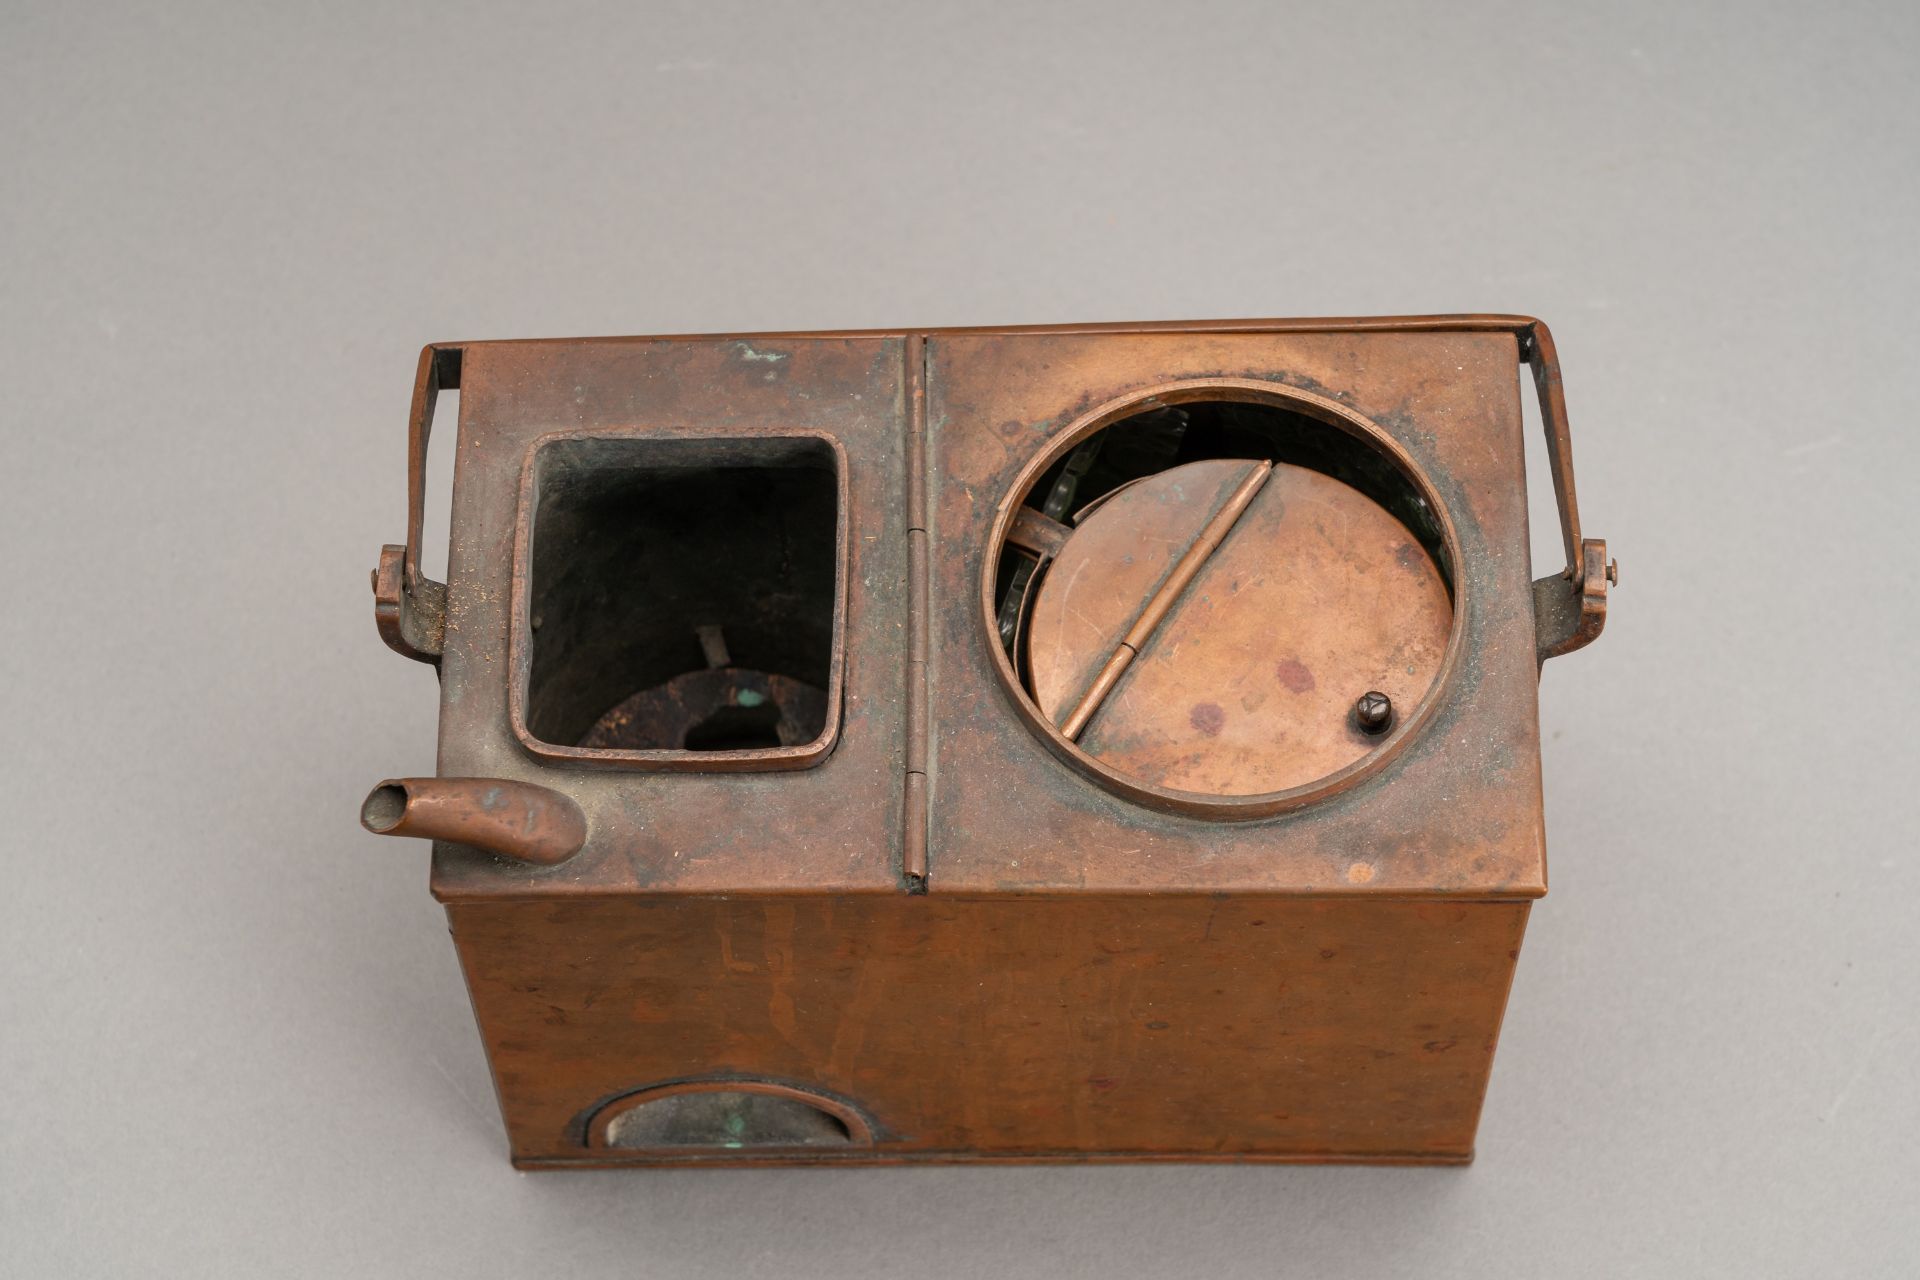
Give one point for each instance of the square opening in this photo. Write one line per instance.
(682, 601)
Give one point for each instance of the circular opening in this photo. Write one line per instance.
(1191, 591)
(385, 805)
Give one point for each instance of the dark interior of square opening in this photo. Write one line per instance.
(682, 594)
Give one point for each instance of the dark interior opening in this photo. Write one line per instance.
(1167, 436)
(683, 593)
(735, 728)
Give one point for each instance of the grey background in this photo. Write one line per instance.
(233, 1038)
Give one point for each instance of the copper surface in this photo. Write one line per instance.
(1038, 534)
(915, 813)
(1072, 633)
(517, 820)
(1316, 596)
(968, 1027)
(1144, 616)
(1338, 413)
(962, 926)
(672, 712)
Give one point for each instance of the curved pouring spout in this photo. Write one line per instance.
(513, 819)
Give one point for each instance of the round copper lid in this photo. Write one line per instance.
(1235, 627)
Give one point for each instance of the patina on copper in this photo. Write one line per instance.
(1325, 568)
(940, 928)
(1240, 675)
(516, 820)
(724, 709)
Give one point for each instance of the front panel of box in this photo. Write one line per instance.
(1209, 1026)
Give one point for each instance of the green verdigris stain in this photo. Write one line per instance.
(749, 698)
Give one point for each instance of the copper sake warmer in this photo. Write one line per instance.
(1111, 742)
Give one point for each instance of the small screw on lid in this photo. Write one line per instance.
(1373, 712)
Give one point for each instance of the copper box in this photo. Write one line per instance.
(1075, 743)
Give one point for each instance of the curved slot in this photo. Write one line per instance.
(727, 1116)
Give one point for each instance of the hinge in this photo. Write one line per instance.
(913, 855)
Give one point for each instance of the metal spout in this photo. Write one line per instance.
(513, 819)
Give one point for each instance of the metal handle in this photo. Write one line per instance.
(409, 608)
(1570, 608)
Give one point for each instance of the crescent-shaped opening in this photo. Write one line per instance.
(710, 1117)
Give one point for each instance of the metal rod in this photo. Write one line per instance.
(913, 844)
(1157, 605)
